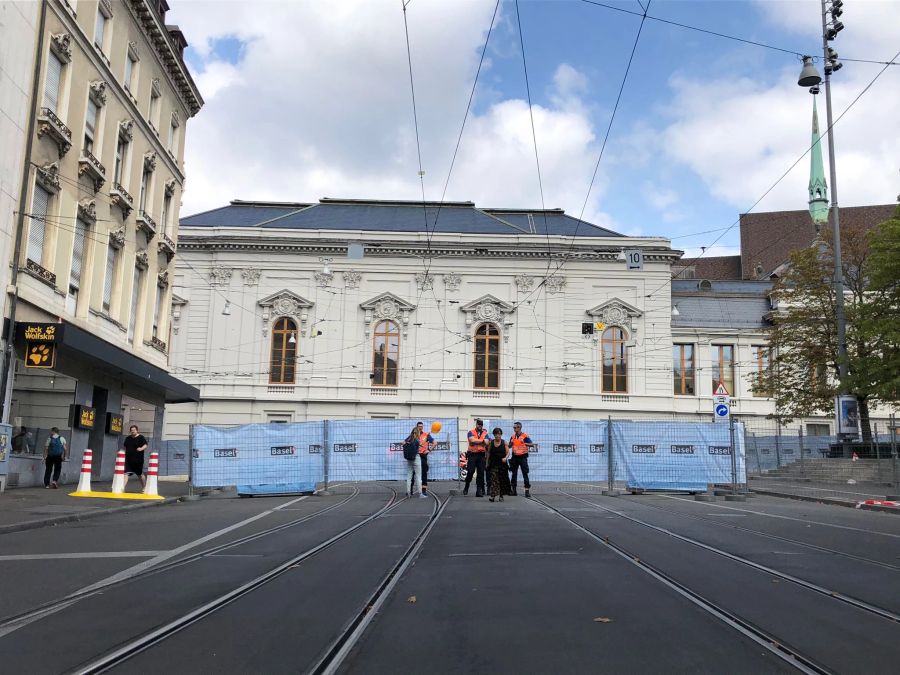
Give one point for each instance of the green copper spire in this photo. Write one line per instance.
(818, 189)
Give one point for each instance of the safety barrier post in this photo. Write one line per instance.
(192, 455)
(84, 480)
(894, 457)
(734, 496)
(152, 487)
(778, 442)
(326, 459)
(610, 490)
(118, 483)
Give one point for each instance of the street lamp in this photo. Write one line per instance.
(809, 77)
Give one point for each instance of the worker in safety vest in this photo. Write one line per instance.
(426, 445)
(475, 458)
(520, 444)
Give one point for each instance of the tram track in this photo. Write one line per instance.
(11, 623)
(336, 651)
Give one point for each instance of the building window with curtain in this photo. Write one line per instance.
(90, 126)
(145, 188)
(100, 27)
(487, 357)
(135, 301)
(615, 363)
(283, 357)
(112, 259)
(130, 65)
(78, 248)
(683, 369)
(52, 82)
(157, 308)
(762, 358)
(121, 150)
(723, 367)
(37, 227)
(386, 354)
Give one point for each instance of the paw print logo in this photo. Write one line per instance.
(39, 355)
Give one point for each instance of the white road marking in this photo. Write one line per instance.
(73, 556)
(466, 555)
(293, 501)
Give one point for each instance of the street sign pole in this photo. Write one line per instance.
(733, 456)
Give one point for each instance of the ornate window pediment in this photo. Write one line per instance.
(487, 308)
(616, 312)
(285, 303)
(387, 306)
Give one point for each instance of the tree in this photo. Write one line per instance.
(803, 376)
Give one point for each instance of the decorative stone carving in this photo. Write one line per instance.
(87, 210)
(352, 278)
(220, 275)
(154, 87)
(615, 312)
(133, 51)
(162, 279)
(555, 284)
(170, 187)
(524, 282)
(51, 126)
(142, 260)
(106, 8)
(488, 308)
(176, 119)
(48, 176)
(60, 43)
(150, 161)
(97, 92)
(285, 303)
(117, 237)
(126, 130)
(323, 279)
(452, 281)
(425, 282)
(387, 306)
(250, 276)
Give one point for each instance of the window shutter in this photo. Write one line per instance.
(111, 257)
(78, 253)
(40, 206)
(129, 68)
(98, 29)
(51, 84)
(135, 297)
(90, 123)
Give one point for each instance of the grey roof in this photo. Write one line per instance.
(396, 216)
(721, 304)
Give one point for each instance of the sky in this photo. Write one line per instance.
(312, 98)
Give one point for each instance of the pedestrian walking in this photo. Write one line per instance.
(426, 445)
(475, 458)
(413, 463)
(497, 466)
(135, 444)
(520, 444)
(55, 453)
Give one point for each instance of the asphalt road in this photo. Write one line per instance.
(503, 587)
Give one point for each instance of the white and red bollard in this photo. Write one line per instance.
(84, 480)
(118, 483)
(152, 487)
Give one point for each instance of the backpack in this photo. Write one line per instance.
(56, 447)
(410, 449)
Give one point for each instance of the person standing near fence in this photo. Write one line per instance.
(519, 443)
(426, 445)
(413, 463)
(475, 458)
(135, 444)
(55, 453)
(497, 466)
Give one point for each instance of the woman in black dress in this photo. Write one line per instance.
(497, 471)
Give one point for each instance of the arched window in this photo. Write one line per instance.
(487, 357)
(283, 359)
(615, 365)
(386, 354)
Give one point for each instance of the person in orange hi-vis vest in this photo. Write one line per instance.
(426, 445)
(520, 444)
(475, 458)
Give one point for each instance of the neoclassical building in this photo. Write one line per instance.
(378, 309)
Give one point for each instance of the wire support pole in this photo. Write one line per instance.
(838, 279)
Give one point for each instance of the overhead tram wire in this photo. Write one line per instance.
(783, 175)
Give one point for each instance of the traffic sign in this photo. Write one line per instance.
(720, 390)
(721, 410)
(634, 258)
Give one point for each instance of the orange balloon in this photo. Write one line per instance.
(436, 427)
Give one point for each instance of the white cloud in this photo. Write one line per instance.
(325, 111)
(710, 251)
(659, 198)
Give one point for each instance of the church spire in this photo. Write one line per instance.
(818, 189)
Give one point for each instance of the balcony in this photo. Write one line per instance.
(91, 167)
(119, 196)
(158, 344)
(50, 125)
(147, 224)
(40, 273)
(166, 245)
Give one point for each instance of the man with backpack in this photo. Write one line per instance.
(55, 452)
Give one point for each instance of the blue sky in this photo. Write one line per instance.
(312, 99)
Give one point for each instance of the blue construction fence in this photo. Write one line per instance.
(302, 456)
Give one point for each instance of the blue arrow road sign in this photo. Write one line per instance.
(721, 410)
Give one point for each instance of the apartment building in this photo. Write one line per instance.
(97, 230)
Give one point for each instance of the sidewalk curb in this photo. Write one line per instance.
(58, 520)
(827, 500)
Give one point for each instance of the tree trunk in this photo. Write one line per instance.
(865, 424)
